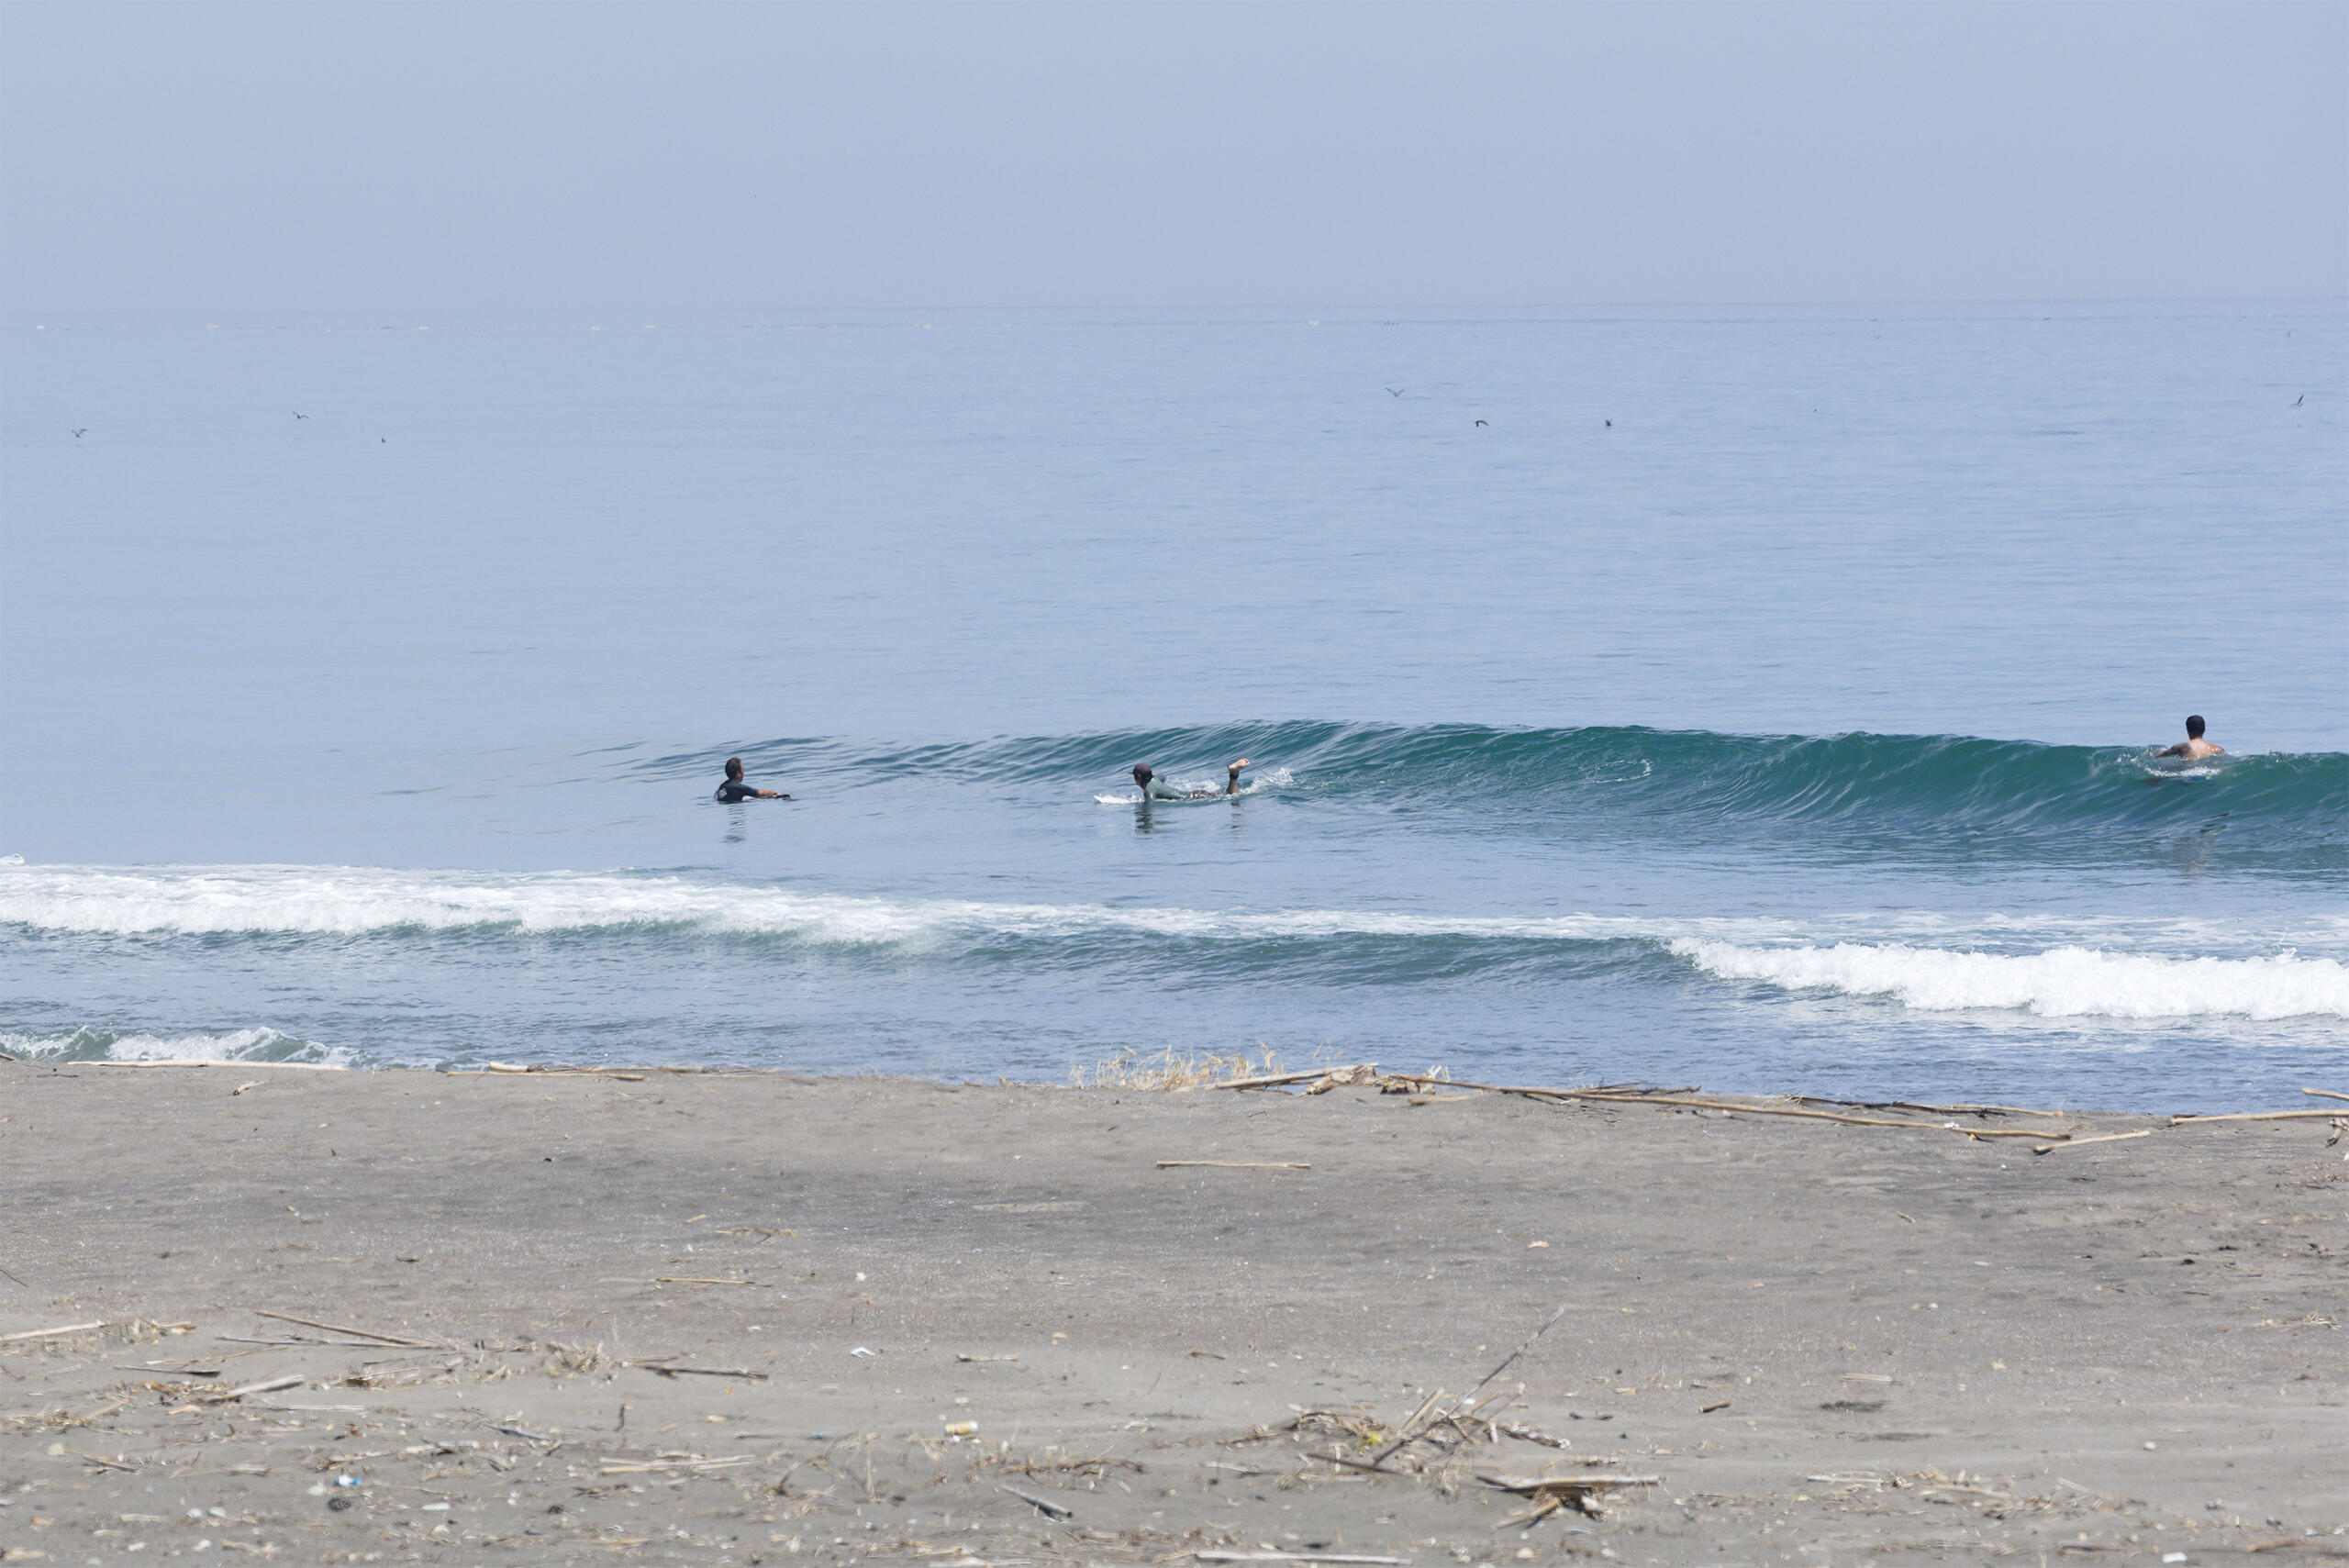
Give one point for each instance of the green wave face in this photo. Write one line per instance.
(1938, 785)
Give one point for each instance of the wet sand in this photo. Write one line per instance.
(1829, 1343)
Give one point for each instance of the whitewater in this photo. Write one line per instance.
(1766, 699)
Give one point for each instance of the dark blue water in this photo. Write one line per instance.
(1793, 730)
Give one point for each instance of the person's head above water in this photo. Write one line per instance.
(2194, 727)
(733, 767)
(1142, 775)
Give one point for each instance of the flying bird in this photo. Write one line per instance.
(1611, 424)
(80, 433)
(301, 416)
(1480, 421)
(2303, 398)
(1398, 391)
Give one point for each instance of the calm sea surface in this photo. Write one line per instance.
(1758, 700)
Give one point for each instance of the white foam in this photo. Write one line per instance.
(2112, 966)
(1271, 778)
(358, 901)
(231, 1045)
(2063, 982)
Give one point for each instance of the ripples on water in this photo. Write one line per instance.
(388, 738)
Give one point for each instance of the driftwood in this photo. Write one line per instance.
(302, 1342)
(1235, 1165)
(51, 1333)
(1615, 1095)
(622, 1073)
(665, 1370)
(1913, 1106)
(1276, 1079)
(2084, 1143)
(220, 1062)
(1043, 1506)
(2254, 1115)
(1288, 1557)
(2326, 1093)
(221, 1397)
(677, 1461)
(1551, 1494)
(362, 1334)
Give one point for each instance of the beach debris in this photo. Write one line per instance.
(1363, 1074)
(2256, 1116)
(1280, 1080)
(1043, 1506)
(1235, 1165)
(1290, 1557)
(964, 1356)
(670, 1462)
(223, 1061)
(1168, 1071)
(1551, 1493)
(670, 1369)
(361, 1333)
(1367, 1075)
(625, 1075)
(1528, 1435)
(59, 1332)
(864, 1350)
(2101, 1138)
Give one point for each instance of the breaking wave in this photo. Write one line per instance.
(2064, 981)
(111, 1045)
(2055, 967)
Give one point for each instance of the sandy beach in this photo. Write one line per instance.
(408, 1317)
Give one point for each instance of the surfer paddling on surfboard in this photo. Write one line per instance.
(2194, 746)
(1153, 787)
(734, 789)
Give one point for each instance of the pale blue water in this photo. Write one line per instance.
(388, 732)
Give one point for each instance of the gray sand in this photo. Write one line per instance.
(1830, 1343)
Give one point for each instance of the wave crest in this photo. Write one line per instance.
(1911, 784)
(2063, 982)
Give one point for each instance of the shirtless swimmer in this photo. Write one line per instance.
(2194, 746)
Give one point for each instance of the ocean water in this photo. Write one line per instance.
(1759, 699)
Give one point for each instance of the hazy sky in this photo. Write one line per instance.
(315, 156)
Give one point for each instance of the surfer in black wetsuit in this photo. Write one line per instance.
(734, 789)
(1153, 787)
